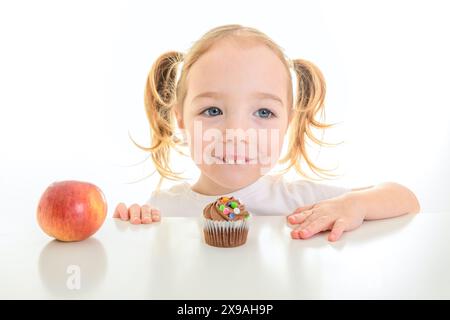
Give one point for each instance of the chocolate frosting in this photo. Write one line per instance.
(212, 210)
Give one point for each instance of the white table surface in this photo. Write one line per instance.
(405, 257)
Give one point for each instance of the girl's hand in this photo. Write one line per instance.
(337, 214)
(137, 214)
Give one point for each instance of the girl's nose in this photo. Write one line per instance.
(236, 120)
(234, 128)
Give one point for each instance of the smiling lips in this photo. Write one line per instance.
(233, 159)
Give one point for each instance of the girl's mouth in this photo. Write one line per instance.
(233, 159)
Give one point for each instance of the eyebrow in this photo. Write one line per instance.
(257, 94)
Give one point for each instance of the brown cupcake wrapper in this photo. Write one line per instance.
(225, 234)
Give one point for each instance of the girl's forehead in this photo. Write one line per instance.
(238, 68)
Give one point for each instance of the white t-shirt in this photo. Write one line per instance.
(267, 196)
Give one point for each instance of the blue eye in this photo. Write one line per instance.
(212, 112)
(264, 113)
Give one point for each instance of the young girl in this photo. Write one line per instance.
(234, 102)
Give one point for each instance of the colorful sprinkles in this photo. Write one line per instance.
(230, 207)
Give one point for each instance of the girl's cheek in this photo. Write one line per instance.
(202, 138)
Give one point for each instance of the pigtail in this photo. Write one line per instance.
(310, 96)
(160, 99)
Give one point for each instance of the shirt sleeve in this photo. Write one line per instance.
(313, 192)
(153, 200)
(325, 191)
(172, 202)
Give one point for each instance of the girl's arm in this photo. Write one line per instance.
(384, 200)
(349, 210)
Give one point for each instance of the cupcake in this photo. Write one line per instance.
(225, 223)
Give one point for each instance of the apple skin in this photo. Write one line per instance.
(71, 210)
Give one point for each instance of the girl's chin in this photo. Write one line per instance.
(234, 180)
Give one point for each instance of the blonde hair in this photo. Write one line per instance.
(163, 93)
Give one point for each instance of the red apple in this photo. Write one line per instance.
(71, 210)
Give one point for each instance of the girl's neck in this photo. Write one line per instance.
(207, 187)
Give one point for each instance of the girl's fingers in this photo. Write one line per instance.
(337, 230)
(322, 223)
(300, 209)
(116, 211)
(311, 216)
(146, 214)
(156, 215)
(298, 215)
(135, 214)
(121, 211)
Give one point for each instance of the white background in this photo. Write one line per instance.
(72, 76)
